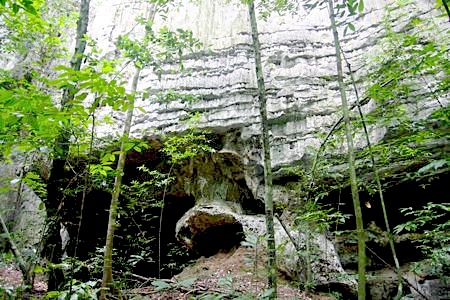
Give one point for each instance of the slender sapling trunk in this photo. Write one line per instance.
(272, 276)
(351, 161)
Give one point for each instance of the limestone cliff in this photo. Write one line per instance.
(299, 65)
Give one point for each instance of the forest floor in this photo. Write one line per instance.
(235, 275)
(11, 279)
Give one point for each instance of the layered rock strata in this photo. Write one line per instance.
(300, 72)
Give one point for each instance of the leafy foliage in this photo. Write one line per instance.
(28, 119)
(28, 6)
(408, 74)
(190, 144)
(431, 226)
(157, 48)
(76, 290)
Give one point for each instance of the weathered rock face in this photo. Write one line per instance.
(303, 102)
(20, 207)
(208, 229)
(217, 226)
(299, 65)
(303, 98)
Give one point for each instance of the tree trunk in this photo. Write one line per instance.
(447, 10)
(107, 281)
(52, 244)
(80, 46)
(24, 268)
(351, 162)
(272, 276)
(378, 182)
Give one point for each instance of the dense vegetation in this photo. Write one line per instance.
(51, 97)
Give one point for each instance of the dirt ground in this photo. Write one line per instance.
(235, 275)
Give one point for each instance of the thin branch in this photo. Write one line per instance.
(160, 221)
(377, 179)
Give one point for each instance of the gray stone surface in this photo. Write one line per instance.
(199, 220)
(21, 208)
(300, 71)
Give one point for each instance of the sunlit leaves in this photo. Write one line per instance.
(268, 7)
(28, 6)
(189, 145)
(157, 48)
(28, 118)
(171, 96)
(25, 29)
(98, 79)
(433, 214)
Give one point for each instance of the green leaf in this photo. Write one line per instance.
(15, 8)
(128, 146)
(52, 294)
(351, 26)
(361, 6)
(434, 165)
(161, 285)
(38, 269)
(267, 294)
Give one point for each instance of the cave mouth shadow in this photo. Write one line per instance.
(219, 238)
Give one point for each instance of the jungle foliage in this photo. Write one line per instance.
(405, 86)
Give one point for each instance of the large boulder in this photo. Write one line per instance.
(291, 255)
(210, 228)
(219, 226)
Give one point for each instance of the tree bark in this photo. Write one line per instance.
(80, 46)
(272, 276)
(447, 10)
(107, 281)
(351, 161)
(52, 244)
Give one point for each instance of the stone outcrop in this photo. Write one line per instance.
(20, 207)
(219, 226)
(210, 228)
(303, 103)
(299, 65)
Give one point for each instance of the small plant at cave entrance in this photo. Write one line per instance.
(76, 290)
(319, 218)
(431, 226)
(314, 219)
(255, 260)
(138, 218)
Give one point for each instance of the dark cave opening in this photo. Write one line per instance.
(93, 225)
(219, 238)
(414, 194)
(136, 238)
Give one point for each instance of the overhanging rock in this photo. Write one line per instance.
(210, 228)
(213, 227)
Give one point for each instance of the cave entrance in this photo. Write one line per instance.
(219, 238)
(411, 193)
(141, 244)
